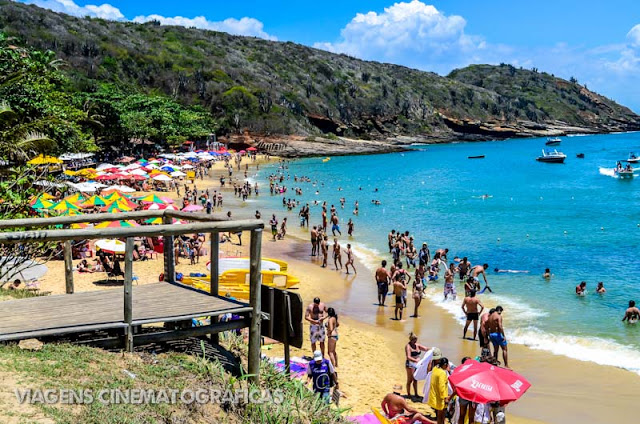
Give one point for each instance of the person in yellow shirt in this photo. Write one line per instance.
(439, 390)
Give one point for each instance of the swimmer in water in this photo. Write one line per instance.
(581, 289)
(547, 274)
(600, 289)
(632, 313)
(510, 271)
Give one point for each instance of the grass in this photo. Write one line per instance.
(6, 294)
(79, 368)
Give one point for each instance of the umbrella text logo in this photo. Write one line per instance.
(517, 385)
(475, 384)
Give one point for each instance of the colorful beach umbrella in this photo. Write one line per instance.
(192, 208)
(252, 149)
(75, 198)
(111, 246)
(70, 212)
(94, 201)
(80, 225)
(116, 207)
(484, 383)
(150, 198)
(41, 203)
(64, 205)
(44, 160)
(117, 224)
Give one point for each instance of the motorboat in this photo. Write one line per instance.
(623, 172)
(476, 157)
(633, 158)
(580, 155)
(553, 141)
(551, 156)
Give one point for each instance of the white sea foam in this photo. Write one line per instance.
(590, 349)
(609, 172)
(369, 257)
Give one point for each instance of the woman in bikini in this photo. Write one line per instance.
(413, 351)
(337, 256)
(332, 330)
(418, 289)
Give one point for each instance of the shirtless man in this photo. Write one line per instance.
(316, 313)
(334, 225)
(632, 314)
(402, 275)
(314, 241)
(395, 406)
(481, 269)
(399, 290)
(470, 308)
(442, 254)
(463, 268)
(449, 287)
(494, 329)
(382, 280)
(483, 337)
(411, 254)
(350, 260)
(324, 219)
(391, 238)
(324, 249)
(337, 255)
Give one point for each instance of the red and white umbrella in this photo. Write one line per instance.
(484, 383)
(192, 208)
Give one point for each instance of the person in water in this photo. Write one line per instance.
(581, 289)
(481, 269)
(600, 289)
(632, 314)
(547, 274)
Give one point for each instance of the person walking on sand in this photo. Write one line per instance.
(350, 260)
(470, 308)
(395, 407)
(283, 229)
(337, 254)
(316, 313)
(399, 288)
(332, 331)
(632, 314)
(438, 390)
(496, 334)
(382, 280)
(483, 336)
(412, 351)
(274, 226)
(324, 219)
(476, 271)
(324, 248)
(418, 290)
(320, 372)
(335, 225)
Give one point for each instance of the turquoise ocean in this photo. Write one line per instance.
(575, 218)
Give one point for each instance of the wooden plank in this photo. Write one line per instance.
(214, 275)
(122, 232)
(68, 267)
(164, 336)
(60, 331)
(169, 253)
(255, 302)
(128, 293)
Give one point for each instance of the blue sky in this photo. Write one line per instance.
(597, 42)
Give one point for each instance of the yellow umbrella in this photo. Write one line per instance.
(44, 160)
(70, 173)
(74, 198)
(86, 172)
(80, 226)
(70, 212)
(117, 224)
(94, 201)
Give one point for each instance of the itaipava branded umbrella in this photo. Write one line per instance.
(484, 383)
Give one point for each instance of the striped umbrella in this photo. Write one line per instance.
(94, 201)
(41, 203)
(64, 205)
(117, 224)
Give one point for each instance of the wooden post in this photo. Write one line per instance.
(68, 267)
(214, 272)
(128, 293)
(285, 324)
(255, 302)
(169, 253)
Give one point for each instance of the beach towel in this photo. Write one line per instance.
(422, 366)
(364, 419)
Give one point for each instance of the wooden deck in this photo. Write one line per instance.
(104, 309)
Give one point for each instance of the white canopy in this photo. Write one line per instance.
(178, 174)
(162, 177)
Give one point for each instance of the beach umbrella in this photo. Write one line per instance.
(44, 160)
(162, 177)
(104, 166)
(187, 166)
(252, 149)
(117, 224)
(75, 198)
(192, 208)
(126, 159)
(138, 178)
(106, 177)
(116, 206)
(41, 203)
(158, 221)
(166, 199)
(64, 205)
(139, 172)
(167, 168)
(484, 383)
(242, 152)
(150, 198)
(177, 174)
(94, 201)
(121, 189)
(70, 212)
(43, 196)
(25, 269)
(80, 226)
(110, 246)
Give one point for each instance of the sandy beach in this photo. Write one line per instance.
(371, 346)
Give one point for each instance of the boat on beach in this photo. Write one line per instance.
(633, 158)
(476, 157)
(551, 156)
(553, 141)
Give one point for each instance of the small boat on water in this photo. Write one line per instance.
(553, 141)
(623, 171)
(633, 158)
(580, 155)
(476, 157)
(551, 156)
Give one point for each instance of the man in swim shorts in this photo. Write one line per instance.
(395, 407)
(483, 337)
(632, 314)
(470, 308)
(335, 225)
(481, 269)
(449, 287)
(315, 314)
(382, 280)
(496, 334)
(399, 288)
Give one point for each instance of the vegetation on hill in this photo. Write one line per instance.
(284, 88)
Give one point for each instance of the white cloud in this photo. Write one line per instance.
(633, 36)
(414, 34)
(244, 26)
(104, 11)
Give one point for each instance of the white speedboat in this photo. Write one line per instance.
(551, 156)
(553, 141)
(633, 158)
